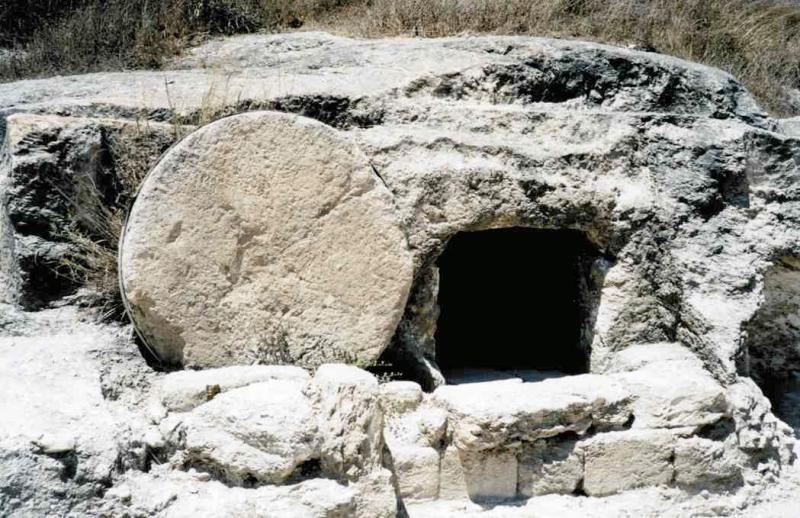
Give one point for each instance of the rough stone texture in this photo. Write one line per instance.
(670, 168)
(773, 335)
(260, 433)
(184, 390)
(57, 174)
(550, 466)
(276, 425)
(350, 423)
(64, 437)
(490, 475)
(426, 426)
(350, 419)
(617, 461)
(637, 356)
(188, 495)
(259, 412)
(484, 477)
(686, 188)
(488, 415)
(791, 126)
(650, 82)
(706, 464)
(417, 472)
(675, 394)
(271, 208)
(757, 429)
(414, 430)
(452, 481)
(398, 397)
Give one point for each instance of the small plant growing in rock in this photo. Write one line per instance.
(99, 216)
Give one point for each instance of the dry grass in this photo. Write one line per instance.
(92, 261)
(756, 40)
(98, 222)
(93, 35)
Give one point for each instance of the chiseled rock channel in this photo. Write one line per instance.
(671, 200)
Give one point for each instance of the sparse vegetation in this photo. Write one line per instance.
(98, 220)
(756, 40)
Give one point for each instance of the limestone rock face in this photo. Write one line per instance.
(258, 433)
(703, 463)
(551, 466)
(626, 460)
(185, 390)
(264, 238)
(488, 415)
(673, 392)
(670, 169)
(66, 431)
(187, 495)
(269, 425)
(268, 238)
(59, 175)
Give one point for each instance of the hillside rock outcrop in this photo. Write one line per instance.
(670, 197)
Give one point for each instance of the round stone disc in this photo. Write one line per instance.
(264, 238)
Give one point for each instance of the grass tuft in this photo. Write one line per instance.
(98, 221)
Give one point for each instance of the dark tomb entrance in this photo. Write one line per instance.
(515, 299)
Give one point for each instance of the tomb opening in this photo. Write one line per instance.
(515, 300)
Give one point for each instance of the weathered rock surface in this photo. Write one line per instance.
(706, 464)
(270, 208)
(275, 425)
(487, 415)
(60, 175)
(773, 334)
(187, 495)
(672, 388)
(791, 126)
(184, 390)
(221, 439)
(65, 434)
(670, 168)
(611, 78)
(260, 433)
(625, 460)
(687, 191)
(551, 466)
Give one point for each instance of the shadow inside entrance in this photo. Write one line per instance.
(514, 302)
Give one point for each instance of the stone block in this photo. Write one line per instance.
(618, 461)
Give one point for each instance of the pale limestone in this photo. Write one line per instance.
(452, 481)
(184, 390)
(488, 415)
(550, 466)
(171, 494)
(398, 397)
(261, 432)
(490, 475)
(618, 461)
(417, 471)
(707, 464)
(349, 419)
(674, 394)
(271, 208)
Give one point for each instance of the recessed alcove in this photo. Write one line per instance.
(772, 345)
(515, 300)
